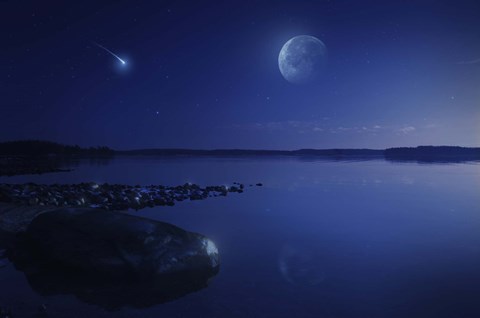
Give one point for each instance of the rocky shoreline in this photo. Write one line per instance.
(109, 196)
(66, 242)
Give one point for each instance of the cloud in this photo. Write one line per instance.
(406, 130)
(469, 62)
(316, 126)
(322, 127)
(295, 125)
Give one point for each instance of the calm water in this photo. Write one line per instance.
(319, 239)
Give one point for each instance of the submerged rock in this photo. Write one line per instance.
(117, 245)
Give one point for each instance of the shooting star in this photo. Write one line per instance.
(114, 55)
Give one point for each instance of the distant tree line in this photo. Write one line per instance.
(42, 148)
(246, 152)
(433, 153)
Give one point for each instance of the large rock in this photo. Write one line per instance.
(118, 245)
(113, 259)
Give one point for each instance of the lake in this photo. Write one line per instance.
(319, 239)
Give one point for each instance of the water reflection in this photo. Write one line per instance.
(437, 160)
(300, 265)
(112, 294)
(385, 241)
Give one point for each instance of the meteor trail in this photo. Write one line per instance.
(115, 55)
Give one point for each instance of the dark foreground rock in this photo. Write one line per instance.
(113, 259)
(117, 244)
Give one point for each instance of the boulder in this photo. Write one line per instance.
(117, 245)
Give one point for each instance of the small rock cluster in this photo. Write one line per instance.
(109, 196)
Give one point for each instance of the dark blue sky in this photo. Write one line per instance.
(204, 74)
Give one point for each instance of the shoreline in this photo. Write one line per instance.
(109, 196)
(21, 203)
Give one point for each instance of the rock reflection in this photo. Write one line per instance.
(110, 293)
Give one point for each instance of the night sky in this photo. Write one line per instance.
(204, 74)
